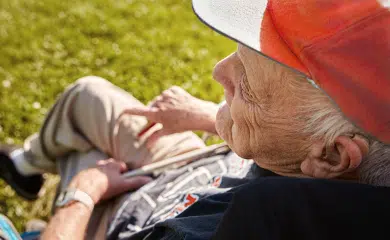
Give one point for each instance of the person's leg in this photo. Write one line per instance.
(67, 168)
(89, 115)
(87, 125)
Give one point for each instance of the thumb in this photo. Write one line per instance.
(148, 112)
(156, 135)
(122, 166)
(135, 182)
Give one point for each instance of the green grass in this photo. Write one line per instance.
(143, 46)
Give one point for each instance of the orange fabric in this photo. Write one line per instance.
(288, 26)
(353, 68)
(301, 22)
(344, 46)
(271, 44)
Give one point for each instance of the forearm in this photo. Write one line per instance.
(208, 117)
(100, 183)
(68, 223)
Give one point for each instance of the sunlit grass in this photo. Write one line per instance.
(143, 46)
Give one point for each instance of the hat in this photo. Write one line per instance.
(343, 45)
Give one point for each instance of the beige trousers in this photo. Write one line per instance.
(86, 125)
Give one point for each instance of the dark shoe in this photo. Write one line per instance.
(27, 187)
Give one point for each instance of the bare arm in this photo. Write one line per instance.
(210, 113)
(178, 111)
(100, 183)
(68, 223)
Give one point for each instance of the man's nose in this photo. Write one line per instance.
(224, 72)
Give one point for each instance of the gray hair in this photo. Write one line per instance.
(325, 121)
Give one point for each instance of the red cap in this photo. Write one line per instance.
(343, 45)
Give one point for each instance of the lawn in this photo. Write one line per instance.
(143, 46)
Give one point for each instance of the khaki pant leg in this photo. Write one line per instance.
(68, 167)
(88, 116)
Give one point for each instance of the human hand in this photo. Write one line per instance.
(178, 111)
(106, 181)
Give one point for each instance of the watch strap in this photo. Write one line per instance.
(71, 195)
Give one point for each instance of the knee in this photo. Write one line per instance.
(89, 81)
(88, 85)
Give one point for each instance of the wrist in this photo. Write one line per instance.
(91, 188)
(76, 206)
(209, 113)
(71, 196)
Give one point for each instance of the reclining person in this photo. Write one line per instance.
(286, 124)
(91, 122)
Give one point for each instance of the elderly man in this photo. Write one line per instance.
(273, 115)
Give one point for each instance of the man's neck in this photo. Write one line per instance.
(287, 170)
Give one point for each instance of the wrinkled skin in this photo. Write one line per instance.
(261, 119)
(106, 181)
(178, 111)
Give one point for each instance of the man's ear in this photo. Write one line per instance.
(331, 162)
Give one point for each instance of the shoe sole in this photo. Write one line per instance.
(7, 177)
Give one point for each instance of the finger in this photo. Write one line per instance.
(148, 112)
(104, 162)
(168, 99)
(122, 166)
(161, 106)
(166, 93)
(155, 136)
(165, 97)
(153, 104)
(117, 166)
(156, 99)
(156, 108)
(135, 182)
(101, 162)
(177, 89)
(148, 126)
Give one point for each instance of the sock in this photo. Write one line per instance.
(22, 165)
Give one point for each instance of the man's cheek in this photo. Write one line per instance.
(241, 130)
(241, 141)
(224, 123)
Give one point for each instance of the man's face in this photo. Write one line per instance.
(261, 119)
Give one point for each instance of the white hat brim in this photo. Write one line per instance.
(239, 20)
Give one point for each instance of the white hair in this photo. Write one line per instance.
(325, 121)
